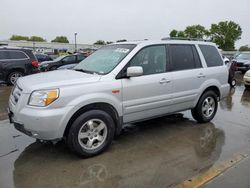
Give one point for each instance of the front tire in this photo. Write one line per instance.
(206, 107)
(91, 133)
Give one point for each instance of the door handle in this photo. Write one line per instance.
(201, 75)
(164, 81)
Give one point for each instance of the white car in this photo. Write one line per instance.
(119, 84)
(246, 79)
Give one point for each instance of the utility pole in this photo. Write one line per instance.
(75, 43)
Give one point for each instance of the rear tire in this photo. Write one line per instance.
(206, 107)
(13, 76)
(91, 133)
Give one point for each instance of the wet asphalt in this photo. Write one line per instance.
(158, 153)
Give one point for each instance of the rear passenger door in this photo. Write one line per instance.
(187, 75)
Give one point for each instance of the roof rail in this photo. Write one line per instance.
(184, 38)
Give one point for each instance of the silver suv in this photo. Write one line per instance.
(119, 84)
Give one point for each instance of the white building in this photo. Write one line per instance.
(48, 46)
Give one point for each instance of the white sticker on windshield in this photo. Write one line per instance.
(122, 50)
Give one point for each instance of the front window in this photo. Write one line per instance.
(105, 59)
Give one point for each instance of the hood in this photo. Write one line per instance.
(47, 62)
(55, 79)
(242, 60)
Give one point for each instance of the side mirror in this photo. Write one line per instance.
(134, 71)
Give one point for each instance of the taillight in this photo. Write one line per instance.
(35, 63)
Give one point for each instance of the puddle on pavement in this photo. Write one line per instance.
(155, 153)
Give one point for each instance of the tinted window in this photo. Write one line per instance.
(8, 55)
(152, 59)
(184, 57)
(80, 57)
(211, 55)
(17, 55)
(3, 55)
(69, 59)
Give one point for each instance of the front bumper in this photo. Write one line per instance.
(40, 123)
(246, 80)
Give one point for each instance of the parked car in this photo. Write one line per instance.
(42, 57)
(246, 79)
(70, 66)
(119, 84)
(60, 61)
(15, 63)
(243, 62)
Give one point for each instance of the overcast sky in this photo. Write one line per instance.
(111, 20)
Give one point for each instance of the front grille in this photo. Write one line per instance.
(16, 94)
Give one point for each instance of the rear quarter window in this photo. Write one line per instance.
(211, 55)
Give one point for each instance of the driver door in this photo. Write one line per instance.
(148, 95)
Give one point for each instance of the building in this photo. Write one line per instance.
(49, 47)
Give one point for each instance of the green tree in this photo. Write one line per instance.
(181, 34)
(19, 37)
(173, 33)
(225, 34)
(100, 42)
(61, 39)
(244, 48)
(36, 39)
(196, 31)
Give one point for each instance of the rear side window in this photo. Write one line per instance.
(12, 55)
(17, 55)
(3, 55)
(211, 55)
(184, 57)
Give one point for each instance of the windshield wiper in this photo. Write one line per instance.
(86, 71)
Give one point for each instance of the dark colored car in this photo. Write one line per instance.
(15, 63)
(70, 66)
(42, 57)
(61, 61)
(243, 62)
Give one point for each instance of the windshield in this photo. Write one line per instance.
(245, 56)
(105, 59)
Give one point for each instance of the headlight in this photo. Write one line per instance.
(247, 74)
(43, 97)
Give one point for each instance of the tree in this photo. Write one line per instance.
(19, 37)
(173, 33)
(196, 31)
(225, 34)
(36, 39)
(181, 34)
(244, 48)
(100, 42)
(61, 39)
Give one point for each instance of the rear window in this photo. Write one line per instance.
(211, 55)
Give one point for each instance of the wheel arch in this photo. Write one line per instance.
(96, 106)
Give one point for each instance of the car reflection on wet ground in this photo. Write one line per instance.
(158, 153)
